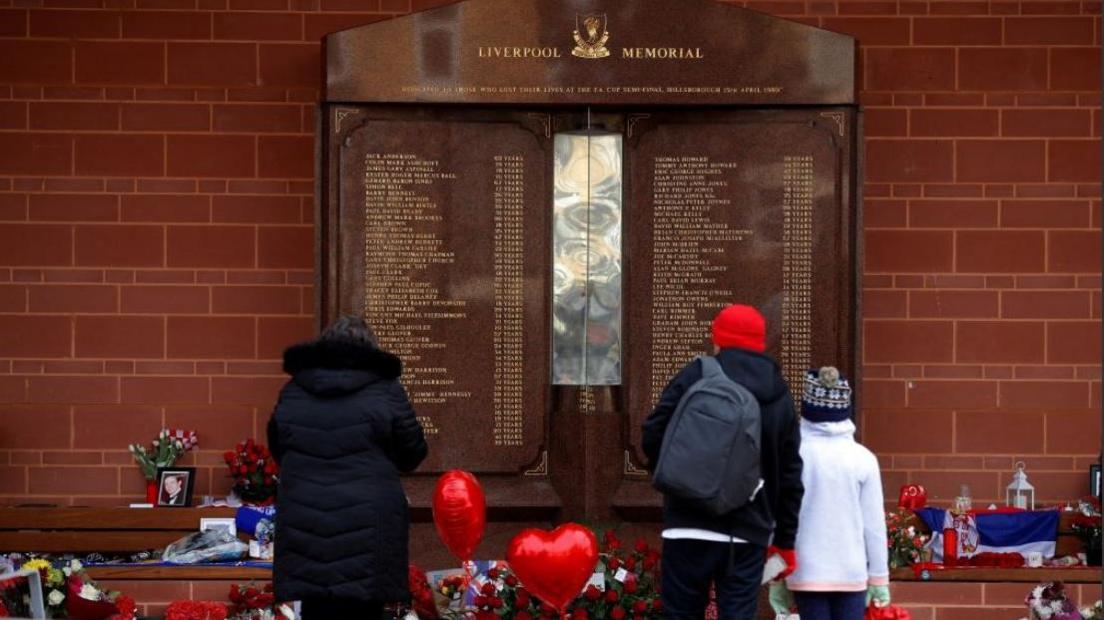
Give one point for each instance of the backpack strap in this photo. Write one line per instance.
(711, 367)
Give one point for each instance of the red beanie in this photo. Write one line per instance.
(741, 327)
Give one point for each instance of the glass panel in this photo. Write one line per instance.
(586, 231)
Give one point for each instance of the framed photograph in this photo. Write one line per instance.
(174, 486)
(214, 523)
(1094, 480)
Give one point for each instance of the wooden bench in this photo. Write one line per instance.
(81, 530)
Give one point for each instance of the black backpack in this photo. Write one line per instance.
(710, 451)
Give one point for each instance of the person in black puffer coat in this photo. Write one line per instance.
(342, 432)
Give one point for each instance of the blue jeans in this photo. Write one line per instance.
(830, 605)
(690, 566)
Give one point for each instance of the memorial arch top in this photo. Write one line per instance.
(616, 52)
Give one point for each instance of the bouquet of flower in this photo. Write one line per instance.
(993, 558)
(1087, 528)
(195, 610)
(169, 446)
(630, 589)
(249, 602)
(1096, 612)
(904, 542)
(53, 585)
(68, 592)
(421, 594)
(254, 471)
(1048, 601)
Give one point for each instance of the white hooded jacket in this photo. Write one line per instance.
(841, 533)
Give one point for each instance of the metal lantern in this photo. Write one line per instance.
(1020, 494)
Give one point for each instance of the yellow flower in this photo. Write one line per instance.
(54, 577)
(36, 564)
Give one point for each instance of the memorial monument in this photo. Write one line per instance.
(540, 205)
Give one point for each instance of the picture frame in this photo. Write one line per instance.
(174, 486)
(1094, 480)
(217, 523)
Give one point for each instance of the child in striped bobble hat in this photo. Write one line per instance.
(841, 535)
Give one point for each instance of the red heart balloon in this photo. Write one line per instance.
(459, 512)
(554, 565)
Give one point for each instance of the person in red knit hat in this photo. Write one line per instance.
(729, 551)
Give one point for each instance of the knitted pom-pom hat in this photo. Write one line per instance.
(827, 396)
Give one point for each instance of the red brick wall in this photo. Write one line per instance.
(156, 229)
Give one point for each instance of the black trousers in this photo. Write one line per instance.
(691, 566)
(340, 609)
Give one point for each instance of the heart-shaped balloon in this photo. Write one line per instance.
(555, 565)
(459, 512)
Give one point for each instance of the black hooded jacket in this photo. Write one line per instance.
(342, 431)
(775, 509)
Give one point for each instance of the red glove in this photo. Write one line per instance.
(789, 556)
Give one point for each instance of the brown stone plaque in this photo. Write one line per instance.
(727, 172)
(435, 252)
(748, 206)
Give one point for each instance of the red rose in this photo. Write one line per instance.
(630, 563)
(522, 615)
(579, 614)
(228, 457)
(487, 589)
(612, 596)
(630, 586)
(639, 607)
(511, 581)
(493, 573)
(592, 593)
(522, 598)
(657, 605)
(613, 564)
(617, 613)
(641, 545)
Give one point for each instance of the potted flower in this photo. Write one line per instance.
(170, 445)
(254, 471)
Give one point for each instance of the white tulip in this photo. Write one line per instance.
(55, 598)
